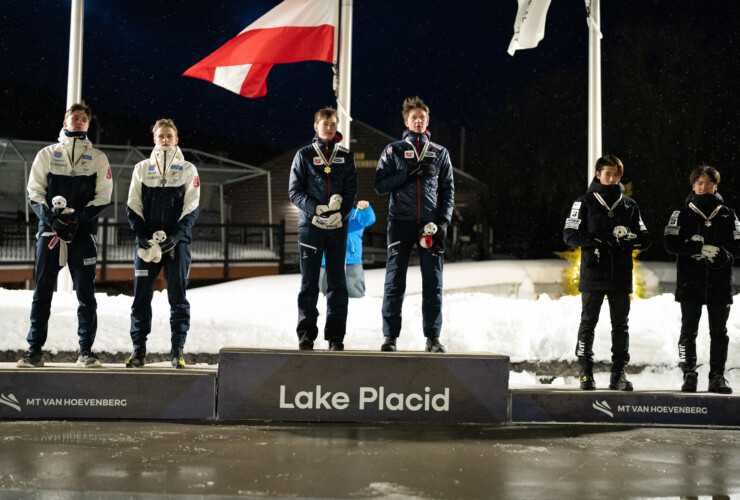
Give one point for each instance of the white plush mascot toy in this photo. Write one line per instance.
(154, 252)
(59, 206)
(426, 240)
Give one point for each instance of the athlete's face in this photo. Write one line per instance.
(609, 175)
(165, 137)
(704, 185)
(417, 120)
(77, 121)
(326, 128)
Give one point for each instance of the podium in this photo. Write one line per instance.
(362, 386)
(59, 391)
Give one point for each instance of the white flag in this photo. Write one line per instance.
(529, 27)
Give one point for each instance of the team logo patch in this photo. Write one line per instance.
(572, 223)
(338, 160)
(196, 182)
(151, 168)
(389, 150)
(89, 262)
(86, 157)
(176, 167)
(57, 154)
(316, 160)
(108, 175)
(574, 213)
(673, 222)
(671, 231)
(576, 205)
(408, 154)
(430, 154)
(141, 272)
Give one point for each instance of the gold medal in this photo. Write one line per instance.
(610, 214)
(708, 223)
(327, 170)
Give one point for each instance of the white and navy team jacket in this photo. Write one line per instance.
(164, 195)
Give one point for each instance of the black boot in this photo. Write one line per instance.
(305, 342)
(336, 344)
(618, 382)
(587, 381)
(433, 345)
(690, 380)
(389, 344)
(176, 357)
(718, 384)
(137, 358)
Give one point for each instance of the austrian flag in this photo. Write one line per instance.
(295, 30)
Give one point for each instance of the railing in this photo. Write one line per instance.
(212, 243)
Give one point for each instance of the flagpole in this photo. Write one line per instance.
(74, 95)
(344, 73)
(594, 86)
(74, 71)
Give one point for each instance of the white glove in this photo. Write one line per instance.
(620, 232)
(709, 251)
(335, 202)
(333, 221)
(320, 209)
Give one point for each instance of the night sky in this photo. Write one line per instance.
(452, 54)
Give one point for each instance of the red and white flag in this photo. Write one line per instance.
(295, 30)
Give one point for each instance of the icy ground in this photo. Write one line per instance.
(261, 312)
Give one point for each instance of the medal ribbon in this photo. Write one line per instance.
(73, 165)
(610, 209)
(167, 167)
(423, 151)
(706, 219)
(323, 158)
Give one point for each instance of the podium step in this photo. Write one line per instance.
(362, 386)
(59, 391)
(571, 405)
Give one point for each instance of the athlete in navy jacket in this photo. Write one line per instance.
(164, 196)
(319, 172)
(418, 175)
(79, 173)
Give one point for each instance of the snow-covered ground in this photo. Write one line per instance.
(261, 312)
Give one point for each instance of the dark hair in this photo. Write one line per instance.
(411, 103)
(325, 114)
(609, 161)
(710, 172)
(79, 106)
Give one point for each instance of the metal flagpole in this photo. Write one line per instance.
(594, 86)
(74, 94)
(344, 86)
(74, 73)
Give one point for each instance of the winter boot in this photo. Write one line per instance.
(389, 344)
(433, 345)
(137, 358)
(587, 381)
(87, 359)
(618, 382)
(690, 380)
(718, 384)
(176, 357)
(305, 342)
(336, 344)
(31, 359)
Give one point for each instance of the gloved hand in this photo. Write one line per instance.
(328, 220)
(606, 243)
(710, 252)
(438, 248)
(169, 243)
(142, 242)
(421, 170)
(320, 209)
(65, 226)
